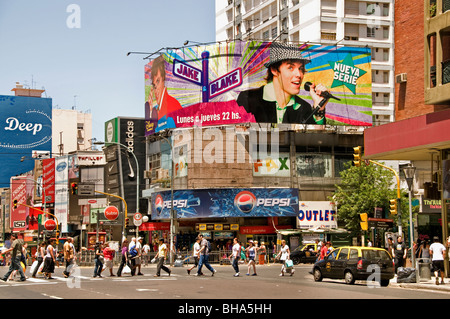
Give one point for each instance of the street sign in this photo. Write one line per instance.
(50, 224)
(137, 219)
(86, 189)
(111, 212)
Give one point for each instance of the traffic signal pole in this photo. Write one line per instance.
(126, 210)
(398, 195)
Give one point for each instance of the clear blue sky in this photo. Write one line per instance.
(90, 62)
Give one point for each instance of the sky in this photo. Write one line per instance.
(77, 50)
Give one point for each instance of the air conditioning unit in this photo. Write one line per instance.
(164, 173)
(147, 174)
(400, 78)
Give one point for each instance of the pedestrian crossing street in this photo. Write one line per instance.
(60, 279)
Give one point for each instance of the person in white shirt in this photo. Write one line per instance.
(145, 254)
(236, 255)
(195, 251)
(285, 254)
(437, 252)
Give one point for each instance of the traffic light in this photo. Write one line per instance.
(127, 222)
(364, 221)
(393, 206)
(357, 156)
(15, 203)
(74, 187)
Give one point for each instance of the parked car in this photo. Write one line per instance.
(304, 254)
(353, 263)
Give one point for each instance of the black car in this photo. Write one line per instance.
(304, 254)
(356, 263)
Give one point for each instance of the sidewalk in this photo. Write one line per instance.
(424, 284)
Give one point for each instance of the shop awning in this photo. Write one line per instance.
(410, 139)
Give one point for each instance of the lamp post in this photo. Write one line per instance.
(172, 212)
(409, 172)
(137, 177)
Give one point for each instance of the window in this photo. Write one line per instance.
(353, 254)
(371, 32)
(314, 165)
(385, 32)
(343, 254)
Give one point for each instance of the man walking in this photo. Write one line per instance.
(161, 257)
(437, 252)
(195, 252)
(16, 256)
(204, 256)
(68, 256)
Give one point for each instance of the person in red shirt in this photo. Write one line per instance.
(166, 103)
(108, 254)
(324, 250)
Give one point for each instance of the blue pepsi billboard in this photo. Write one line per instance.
(26, 127)
(226, 202)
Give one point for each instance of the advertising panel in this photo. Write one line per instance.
(48, 179)
(22, 190)
(239, 82)
(317, 214)
(62, 191)
(26, 126)
(121, 169)
(226, 202)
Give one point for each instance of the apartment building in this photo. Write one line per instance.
(327, 22)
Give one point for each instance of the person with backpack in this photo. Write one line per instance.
(205, 248)
(133, 255)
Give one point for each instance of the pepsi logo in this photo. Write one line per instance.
(159, 204)
(245, 201)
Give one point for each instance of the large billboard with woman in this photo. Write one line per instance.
(258, 82)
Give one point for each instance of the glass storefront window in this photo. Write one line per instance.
(314, 165)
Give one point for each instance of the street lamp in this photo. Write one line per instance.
(137, 177)
(172, 212)
(409, 172)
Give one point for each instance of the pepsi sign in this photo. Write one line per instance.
(227, 202)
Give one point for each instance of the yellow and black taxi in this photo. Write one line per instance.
(353, 263)
(305, 254)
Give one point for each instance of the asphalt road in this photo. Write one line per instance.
(181, 288)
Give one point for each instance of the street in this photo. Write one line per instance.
(181, 287)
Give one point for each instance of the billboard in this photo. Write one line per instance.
(22, 190)
(257, 82)
(226, 202)
(124, 136)
(26, 126)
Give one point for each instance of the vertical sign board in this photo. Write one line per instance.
(130, 133)
(62, 191)
(48, 179)
(19, 192)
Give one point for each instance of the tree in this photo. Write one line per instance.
(361, 190)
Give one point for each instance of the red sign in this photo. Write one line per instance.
(50, 224)
(261, 229)
(154, 226)
(111, 212)
(48, 179)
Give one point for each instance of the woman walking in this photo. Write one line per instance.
(98, 260)
(251, 251)
(124, 260)
(40, 254)
(49, 260)
(285, 254)
(235, 256)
